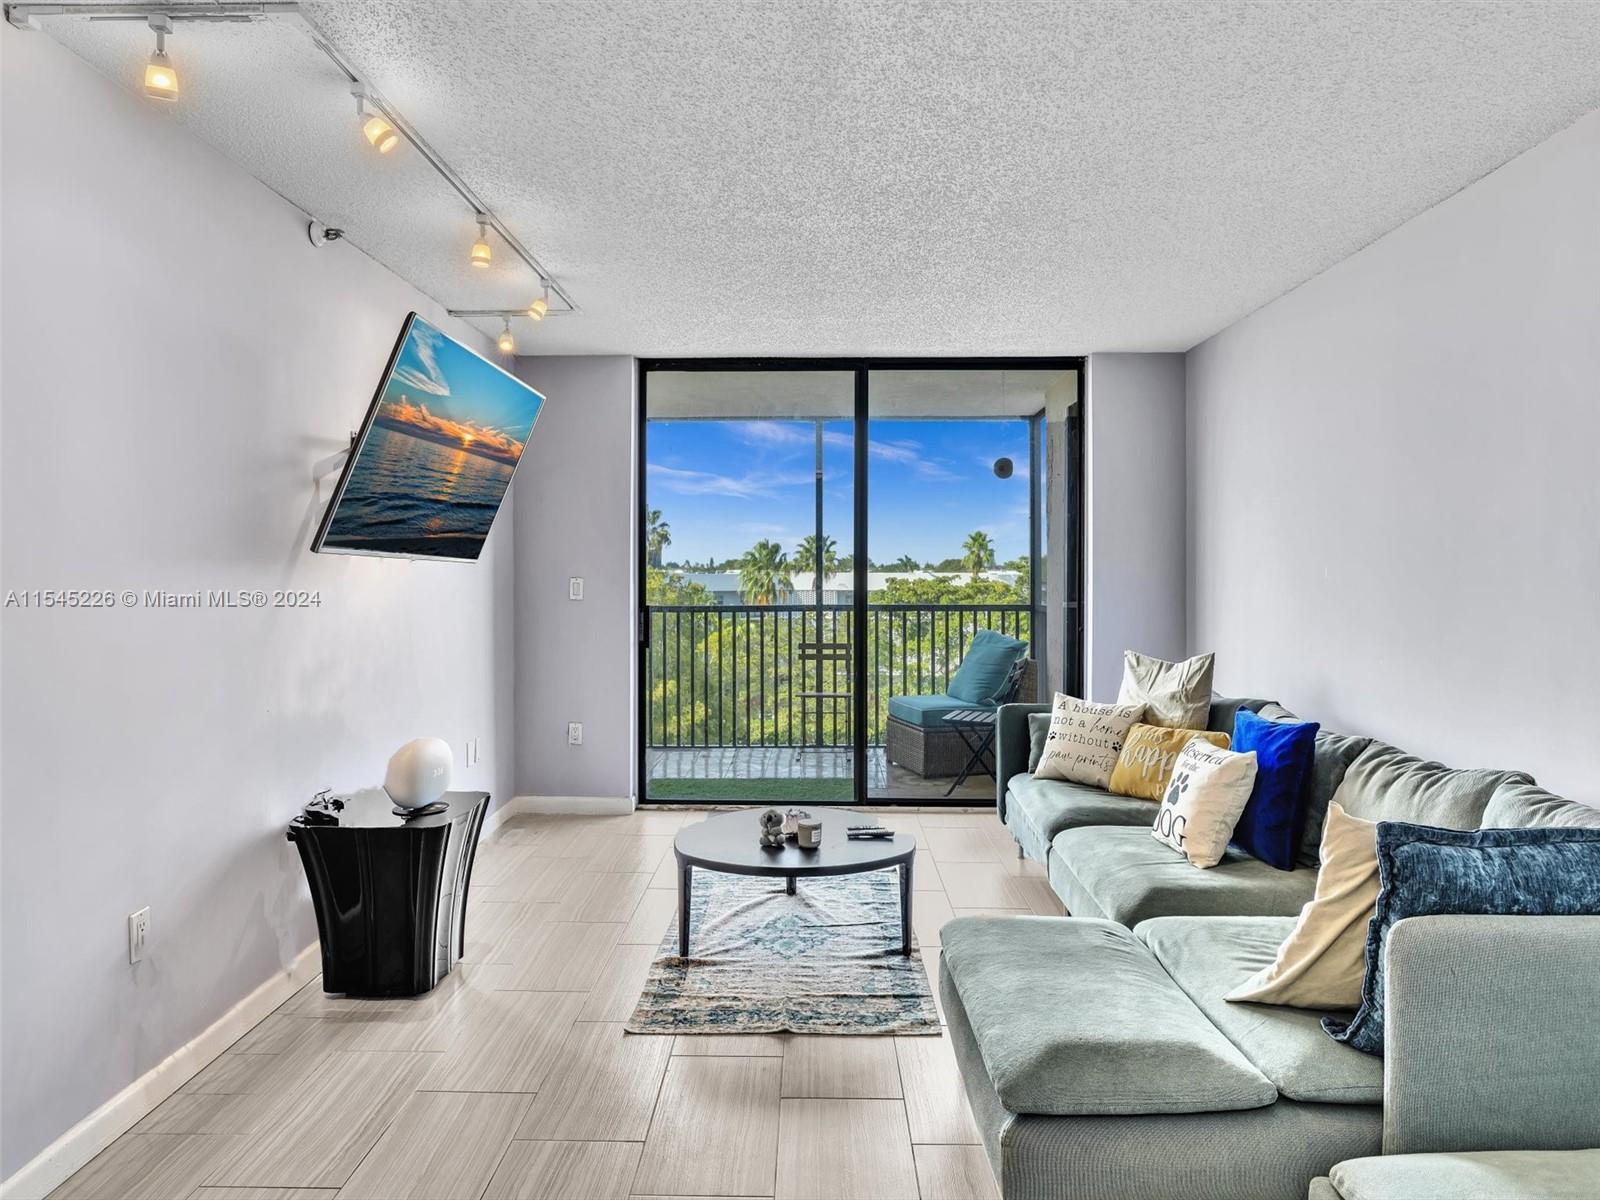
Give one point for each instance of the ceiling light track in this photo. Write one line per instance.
(27, 16)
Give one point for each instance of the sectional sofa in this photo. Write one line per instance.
(1102, 1063)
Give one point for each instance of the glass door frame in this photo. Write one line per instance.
(1071, 669)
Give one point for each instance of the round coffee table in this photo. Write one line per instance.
(730, 843)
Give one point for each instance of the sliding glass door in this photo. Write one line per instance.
(820, 543)
(748, 671)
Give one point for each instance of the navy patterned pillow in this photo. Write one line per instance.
(1423, 871)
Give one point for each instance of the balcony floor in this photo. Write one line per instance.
(800, 774)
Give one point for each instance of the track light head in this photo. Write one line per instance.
(481, 254)
(160, 76)
(540, 305)
(381, 135)
(507, 343)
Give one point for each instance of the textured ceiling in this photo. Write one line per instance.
(878, 177)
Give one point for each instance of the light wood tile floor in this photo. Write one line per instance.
(514, 1078)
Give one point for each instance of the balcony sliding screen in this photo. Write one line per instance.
(821, 544)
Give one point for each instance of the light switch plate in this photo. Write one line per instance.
(575, 733)
(575, 588)
(138, 934)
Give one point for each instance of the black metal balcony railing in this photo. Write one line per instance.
(750, 675)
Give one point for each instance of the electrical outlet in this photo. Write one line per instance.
(575, 733)
(575, 588)
(138, 934)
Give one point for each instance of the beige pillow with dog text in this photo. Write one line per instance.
(1205, 797)
(1324, 959)
(1085, 739)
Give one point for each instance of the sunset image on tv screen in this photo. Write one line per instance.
(437, 457)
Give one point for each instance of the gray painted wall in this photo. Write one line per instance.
(177, 357)
(1393, 484)
(1134, 495)
(575, 659)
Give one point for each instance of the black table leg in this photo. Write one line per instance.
(685, 882)
(791, 885)
(905, 907)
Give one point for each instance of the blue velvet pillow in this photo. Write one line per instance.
(984, 668)
(1275, 816)
(1542, 871)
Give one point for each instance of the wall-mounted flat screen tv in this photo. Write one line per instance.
(435, 454)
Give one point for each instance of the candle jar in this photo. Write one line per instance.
(808, 836)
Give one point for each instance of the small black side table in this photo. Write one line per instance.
(976, 727)
(390, 894)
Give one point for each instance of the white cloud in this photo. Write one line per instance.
(430, 379)
(708, 483)
(904, 453)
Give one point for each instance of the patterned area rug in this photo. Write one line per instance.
(825, 960)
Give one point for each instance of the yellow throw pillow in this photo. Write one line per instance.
(1148, 752)
(1324, 959)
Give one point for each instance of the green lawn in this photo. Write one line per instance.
(826, 788)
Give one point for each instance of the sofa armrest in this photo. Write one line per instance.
(1489, 1040)
(1011, 747)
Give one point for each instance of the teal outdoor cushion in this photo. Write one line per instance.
(1076, 1018)
(1210, 956)
(1517, 804)
(1479, 1175)
(1125, 875)
(1386, 784)
(926, 711)
(984, 667)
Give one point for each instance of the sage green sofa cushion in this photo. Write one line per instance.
(1518, 804)
(1482, 1175)
(1038, 809)
(1210, 956)
(1386, 784)
(1322, 1189)
(1125, 875)
(1076, 1017)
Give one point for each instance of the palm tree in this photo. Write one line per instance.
(764, 573)
(979, 552)
(805, 555)
(905, 563)
(657, 536)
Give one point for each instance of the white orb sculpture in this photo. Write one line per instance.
(419, 772)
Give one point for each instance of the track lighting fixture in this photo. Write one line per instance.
(481, 254)
(160, 76)
(379, 133)
(382, 125)
(507, 343)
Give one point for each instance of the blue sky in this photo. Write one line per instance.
(723, 485)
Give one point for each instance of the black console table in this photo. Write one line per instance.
(390, 893)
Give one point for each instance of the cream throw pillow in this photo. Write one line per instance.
(1207, 793)
(1085, 739)
(1175, 695)
(1324, 959)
